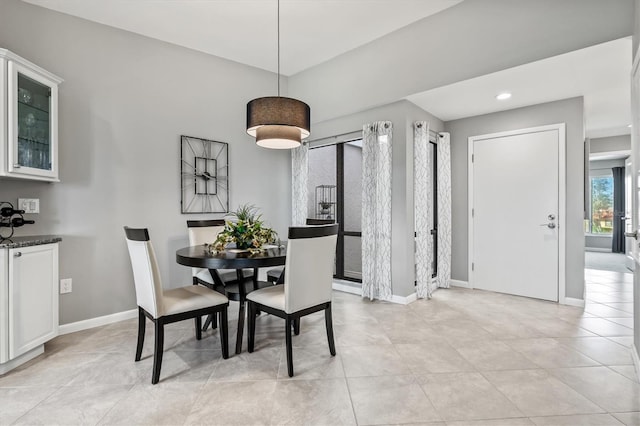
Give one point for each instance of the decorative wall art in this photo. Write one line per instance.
(204, 167)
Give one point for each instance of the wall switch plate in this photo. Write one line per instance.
(66, 285)
(29, 205)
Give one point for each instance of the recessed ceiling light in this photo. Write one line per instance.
(503, 96)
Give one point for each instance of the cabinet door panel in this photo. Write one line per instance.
(32, 115)
(4, 306)
(33, 297)
(3, 116)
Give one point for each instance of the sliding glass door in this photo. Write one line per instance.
(335, 193)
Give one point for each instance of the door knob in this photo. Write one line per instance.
(549, 225)
(633, 234)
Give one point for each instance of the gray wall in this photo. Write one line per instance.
(612, 143)
(402, 114)
(597, 242)
(636, 26)
(125, 102)
(568, 111)
(468, 40)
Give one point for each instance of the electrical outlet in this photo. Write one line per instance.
(29, 205)
(66, 286)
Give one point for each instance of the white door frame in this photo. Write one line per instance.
(562, 198)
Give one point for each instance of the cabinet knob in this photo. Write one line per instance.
(17, 254)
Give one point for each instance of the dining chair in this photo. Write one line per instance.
(275, 275)
(167, 306)
(206, 231)
(307, 286)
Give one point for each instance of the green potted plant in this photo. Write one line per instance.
(246, 230)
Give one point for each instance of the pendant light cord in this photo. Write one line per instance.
(278, 48)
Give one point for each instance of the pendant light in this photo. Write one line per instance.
(278, 122)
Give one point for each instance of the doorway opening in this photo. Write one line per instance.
(607, 207)
(335, 193)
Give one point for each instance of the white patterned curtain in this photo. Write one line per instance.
(444, 210)
(376, 210)
(423, 208)
(299, 190)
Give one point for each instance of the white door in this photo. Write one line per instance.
(635, 213)
(515, 211)
(628, 207)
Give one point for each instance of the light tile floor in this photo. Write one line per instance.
(466, 357)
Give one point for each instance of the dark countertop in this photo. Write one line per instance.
(30, 240)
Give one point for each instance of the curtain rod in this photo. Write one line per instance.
(357, 134)
(354, 133)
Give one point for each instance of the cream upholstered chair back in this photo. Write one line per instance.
(308, 276)
(203, 231)
(146, 275)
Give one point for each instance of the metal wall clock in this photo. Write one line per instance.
(204, 167)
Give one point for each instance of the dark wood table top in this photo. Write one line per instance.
(199, 257)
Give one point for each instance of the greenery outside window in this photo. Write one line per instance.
(601, 211)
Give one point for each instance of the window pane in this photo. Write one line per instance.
(602, 205)
(322, 183)
(352, 186)
(353, 257)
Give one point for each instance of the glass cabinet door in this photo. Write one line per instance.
(32, 113)
(34, 124)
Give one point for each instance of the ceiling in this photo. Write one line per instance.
(600, 73)
(314, 31)
(245, 31)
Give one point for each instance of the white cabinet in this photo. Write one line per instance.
(28, 119)
(29, 300)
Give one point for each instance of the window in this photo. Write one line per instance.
(601, 204)
(335, 193)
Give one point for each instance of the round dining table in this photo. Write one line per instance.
(200, 257)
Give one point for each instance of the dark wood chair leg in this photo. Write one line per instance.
(141, 331)
(206, 323)
(214, 321)
(158, 350)
(198, 321)
(241, 315)
(211, 320)
(224, 333)
(328, 321)
(296, 326)
(251, 326)
(289, 345)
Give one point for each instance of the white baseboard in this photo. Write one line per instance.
(597, 249)
(16, 362)
(636, 359)
(573, 302)
(404, 300)
(458, 283)
(345, 286)
(97, 322)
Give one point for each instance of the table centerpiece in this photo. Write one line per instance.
(246, 230)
